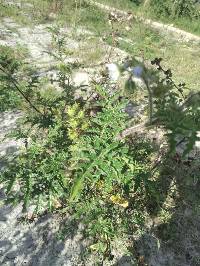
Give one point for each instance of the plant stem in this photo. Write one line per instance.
(16, 85)
(150, 98)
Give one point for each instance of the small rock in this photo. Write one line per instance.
(80, 79)
(113, 72)
(52, 16)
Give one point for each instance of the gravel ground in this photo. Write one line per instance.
(35, 243)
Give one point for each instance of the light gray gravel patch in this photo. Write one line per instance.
(8, 146)
(36, 39)
(35, 243)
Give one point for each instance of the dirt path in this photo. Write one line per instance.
(37, 40)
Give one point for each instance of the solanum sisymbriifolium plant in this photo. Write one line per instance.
(108, 176)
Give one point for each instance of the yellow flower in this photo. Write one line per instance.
(80, 114)
(72, 110)
(100, 184)
(73, 135)
(117, 199)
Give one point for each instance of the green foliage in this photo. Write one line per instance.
(185, 8)
(77, 122)
(44, 129)
(108, 174)
(37, 176)
(180, 8)
(93, 172)
(137, 2)
(178, 113)
(98, 146)
(169, 106)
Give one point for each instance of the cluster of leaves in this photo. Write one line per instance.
(137, 2)
(85, 168)
(71, 158)
(37, 175)
(170, 106)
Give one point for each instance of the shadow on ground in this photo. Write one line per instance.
(173, 240)
(38, 242)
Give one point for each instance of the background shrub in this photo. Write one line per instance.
(175, 9)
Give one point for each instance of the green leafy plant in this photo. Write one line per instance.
(44, 130)
(169, 105)
(108, 174)
(37, 176)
